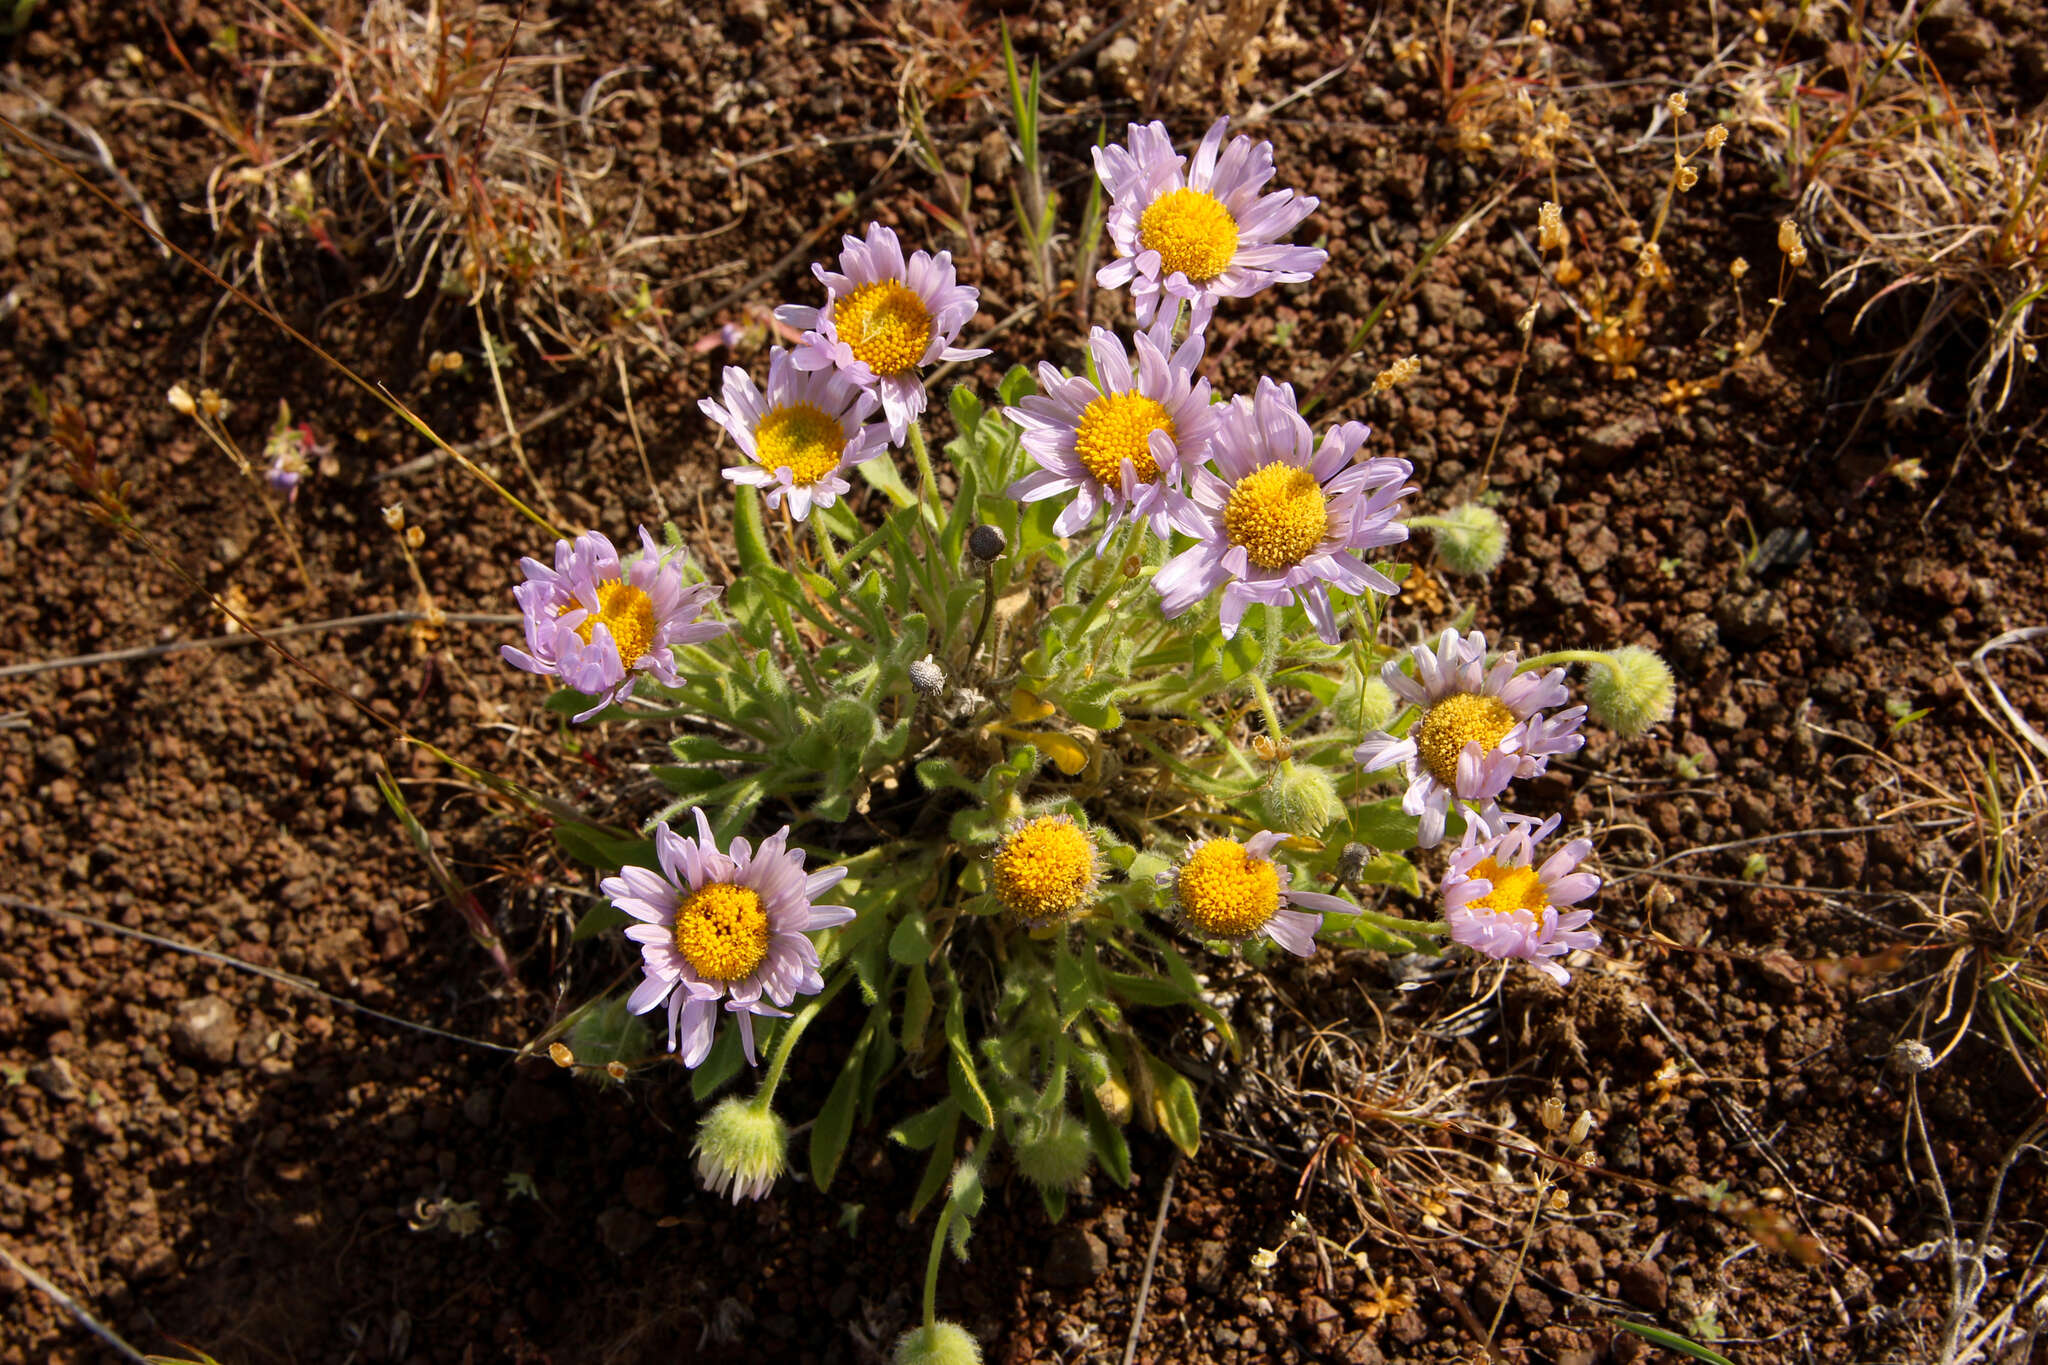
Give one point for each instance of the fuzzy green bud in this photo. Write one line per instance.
(1630, 690)
(1301, 799)
(849, 723)
(743, 1147)
(1055, 1155)
(1376, 705)
(942, 1343)
(606, 1033)
(1470, 539)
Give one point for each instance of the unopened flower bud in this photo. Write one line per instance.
(1471, 540)
(1301, 799)
(559, 1054)
(942, 1343)
(1055, 1156)
(1538, 29)
(1631, 689)
(1551, 233)
(211, 403)
(1791, 243)
(415, 537)
(928, 678)
(987, 543)
(181, 399)
(742, 1147)
(1582, 1126)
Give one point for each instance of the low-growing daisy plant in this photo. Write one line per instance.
(1112, 689)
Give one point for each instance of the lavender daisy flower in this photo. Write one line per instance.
(1124, 444)
(1204, 235)
(600, 626)
(1479, 731)
(723, 927)
(1226, 889)
(884, 319)
(803, 435)
(1281, 519)
(1501, 901)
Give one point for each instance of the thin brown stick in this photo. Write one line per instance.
(78, 1312)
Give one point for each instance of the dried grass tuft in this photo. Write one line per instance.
(1908, 188)
(431, 150)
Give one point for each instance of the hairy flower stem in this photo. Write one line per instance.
(1265, 701)
(826, 550)
(931, 1266)
(1394, 924)
(988, 611)
(785, 1042)
(1562, 656)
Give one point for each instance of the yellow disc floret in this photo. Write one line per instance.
(1192, 232)
(626, 611)
(1117, 427)
(886, 324)
(802, 438)
(1279, 515)
(1225, 892)
(722, 932)
(1045, 869)
(1454, 722)
(1514, 888)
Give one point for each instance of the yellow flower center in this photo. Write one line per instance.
(627, 611)
(722, 932)
(886, 324)
(1225, 892)
(1115, 428)
(1453, 723)
(802, 438)
(1279, 515)
(1514, 888)
(1045, 869)
(1192, 232)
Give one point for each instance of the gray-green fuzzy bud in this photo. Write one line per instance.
(1055, 1155)
(1470, 539)
(1301, 799)
(743, 1147)
(942, 1343)
(849, 723)
(1630, 690)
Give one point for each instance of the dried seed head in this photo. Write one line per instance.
(1555, 120)
(1551, 233)
(1538, 29)
(211, 403)
(1551, 1112)
(928, 678)
(415, 537)
(1739, 267)
(1400, 372)
(1717, 137)
(1581, 1127)
(560, 1055)
(1676, 104)
(1687, 178)
(987, 542)
(1559, 1201)
(1650, 261)
(1912, 1057)
(394, 516)
(181, 399)
(1351, 862)
(1528, 319)
(1790, 242)
(1524, 106)
(615, 1069)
